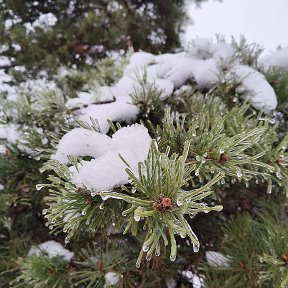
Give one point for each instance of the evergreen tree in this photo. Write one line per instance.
(108, 172)
(49, 33)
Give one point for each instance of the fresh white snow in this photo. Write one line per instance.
(112, 278)
(85, 143)
(255, 87)
(202, 61)
(193, 278)
(10, 133)
(122, 110)
(52, 249)
(278, 59)
(106, 170)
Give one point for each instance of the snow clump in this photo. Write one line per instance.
(106, 169)
(52, 249)
(203, 62)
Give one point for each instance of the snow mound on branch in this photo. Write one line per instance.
(196, 280)
(203, 49)
(10, 133)
(138, 61)
(255, 87)
(52, 249)
(101, 95)
(202, 62)
(112, 278)
(277, 59)
(5, 87)
(206, 73)
(3, 150)
(121, 110)
(38, 85)
(44, 21)
(107, 169)
(85, 143)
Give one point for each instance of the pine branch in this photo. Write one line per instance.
(162, 202)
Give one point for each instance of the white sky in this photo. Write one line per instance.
(261, 21)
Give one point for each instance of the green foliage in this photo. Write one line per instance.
(248, 53)
(11, 248)
(148, 99)
(256, 249)
(236, 143)
(104, 72)
(41, 271)
(96, 260)
(87, 30)
(201, 140)
(279, 81)
(73, 209)
(162, 202)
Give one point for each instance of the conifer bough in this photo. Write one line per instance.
(162, 202)
(198, 110)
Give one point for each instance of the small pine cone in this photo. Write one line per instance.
(166, 202)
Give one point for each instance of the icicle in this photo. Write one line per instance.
(179, 202)
(182, 235)
(148, 257)
(196, 247)
(145, 248)
(278, 175)
(137, 218)
(172, 257)
(239, 174)
(94, 193)
(269, 188)
(271, 169)
(40, 186)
